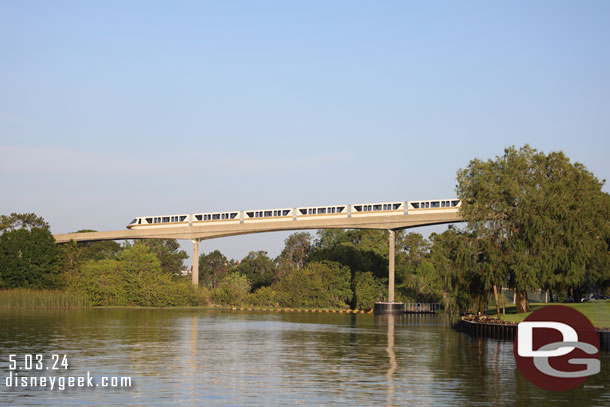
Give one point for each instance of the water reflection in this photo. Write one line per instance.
(187, 357)
(392, 360)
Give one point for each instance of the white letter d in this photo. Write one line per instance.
(526, 338)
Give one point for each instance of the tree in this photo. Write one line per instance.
(296, 249)
(456, 263)
(415, 246)
(367, 290)
(26, 221)
(232, 290)
(258, 268)
(541, 220)
(169, 254)
(29, 256)
(134, 278)
(213, 268)
(318, 284)
(77, 253)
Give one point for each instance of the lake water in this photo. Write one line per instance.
(197, 357)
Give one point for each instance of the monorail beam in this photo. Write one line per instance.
(220, 229)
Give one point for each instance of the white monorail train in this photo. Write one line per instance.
(295, 214)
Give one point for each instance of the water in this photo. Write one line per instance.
(189, 357)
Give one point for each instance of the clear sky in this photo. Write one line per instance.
(112, 109)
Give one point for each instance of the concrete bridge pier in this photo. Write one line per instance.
(195, 272)
(390, 307)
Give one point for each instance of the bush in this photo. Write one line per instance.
(264, 296)
(233, 290)
(134, 279)
(319, 284)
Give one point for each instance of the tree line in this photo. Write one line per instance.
(532, 221)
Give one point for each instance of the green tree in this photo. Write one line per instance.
(296, 249)
(542, 220)
(455, 261)
(213, 268)
(367, 290)
(318, 284)
(26, 221)
(233, 290)
(258, 268)
(169, 254)
(75, 254)
(29, 256)
(134, 278)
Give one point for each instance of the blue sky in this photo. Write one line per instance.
(111, 110)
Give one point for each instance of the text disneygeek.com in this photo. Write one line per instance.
(19, 364)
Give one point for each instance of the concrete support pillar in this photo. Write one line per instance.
(392, 255)
(195, 273)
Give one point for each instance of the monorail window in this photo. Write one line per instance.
(234, 215)
(165, 219)
(321, 210)
(396, 206)
(268, 213)
(133, 221)
(285, 212)
(250, 214)
(442, 204)
(376, 207)
(340, 209)
(332, 210)
(182, 218)
(309, 211)
(215, 216)
(303, 211)
(149, 220)
(455, 203)
(415, 205)
(385, 207)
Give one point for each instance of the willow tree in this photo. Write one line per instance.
(542, 220)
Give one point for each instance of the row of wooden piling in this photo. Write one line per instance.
(508, 332)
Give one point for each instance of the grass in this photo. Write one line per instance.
(23, 298)
(598, 312)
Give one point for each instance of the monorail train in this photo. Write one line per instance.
(295, 214)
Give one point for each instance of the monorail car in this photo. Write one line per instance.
(295, 214)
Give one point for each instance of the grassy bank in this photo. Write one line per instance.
(20, 298)
(597, 312)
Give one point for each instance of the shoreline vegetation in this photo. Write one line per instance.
(532, 222)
